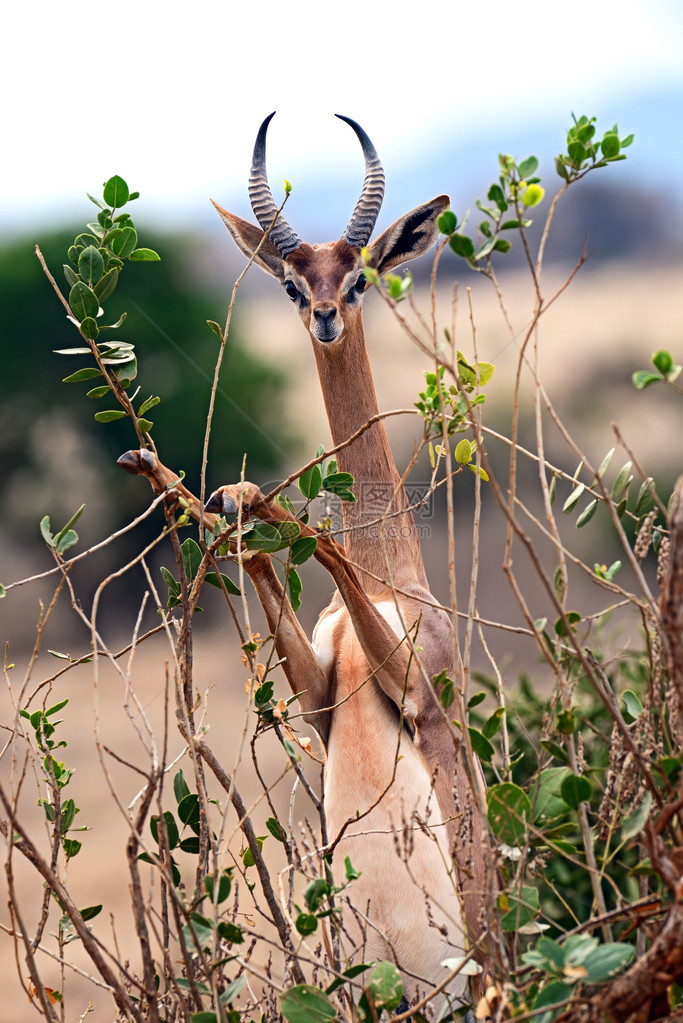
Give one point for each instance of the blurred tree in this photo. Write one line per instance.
(52, 453)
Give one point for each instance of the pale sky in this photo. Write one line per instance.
(170, 96)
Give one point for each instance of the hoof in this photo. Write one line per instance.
(403, 1006)
(137, 462)
(221, 502)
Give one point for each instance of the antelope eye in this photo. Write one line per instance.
(291, 290)
(360, 283)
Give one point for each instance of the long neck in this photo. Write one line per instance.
(350, 400)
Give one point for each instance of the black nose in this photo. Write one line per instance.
(325, 316)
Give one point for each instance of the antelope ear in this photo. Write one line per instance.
(247, 238)
(409, 237)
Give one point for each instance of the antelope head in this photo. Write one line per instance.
(326, 282)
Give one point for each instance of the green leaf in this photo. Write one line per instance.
(231, 992)
(306, 923)
(621, 482)
(109, 416)
(573, 498)
(571, 618)
(351, 873)
(604, 464)
(71, 847)
(83, 301)
(69, 811)
(495, 194)
(481, 745)
(247, 856)
(663, 361)
(307, 1004)
(231, 932)
(522, 909)
(577, 153)
(148, 404)
(62, 703)
(610, 146)
(264, 693)
(171, 828)
(90, 265)
(65, 541)
(180, 786)
(508, 811)
(276, 829)
(527, 167)
(124, 243)
(144, 256)
(385, 986)
(212, 579)
(644, 377)
(270, 536)
(510, 225)
(89, 328)
(223, 889)
(353, 971)
(634, 824)
(45, 531)
(311, 482)
(550, 994)
(561, 168)
(192, 557)
(445, 688)
(493, 723)
(71, 277)
(204, 1017)
(576, 789)
(190, 845)
(463, 452)
(478, 471)
(144, 425)
(294, 585)
(90, 912)
(587, 513)
(203, 932)
(555, 750)
(632, 705)
(546, 797)
(462, 245)
(644, 499)
(316, 893)
(447, 222)
(171, 582)
(88, 373)
(188, 811)
(338, 482)
(302, 549)
(607, 960)
(532, 195)
(116, 192)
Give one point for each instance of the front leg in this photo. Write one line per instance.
(388, 655)
(300, 664)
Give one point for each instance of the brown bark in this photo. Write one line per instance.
(671, 601)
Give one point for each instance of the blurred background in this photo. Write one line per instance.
(171, 99)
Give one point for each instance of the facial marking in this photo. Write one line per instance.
(323, 282)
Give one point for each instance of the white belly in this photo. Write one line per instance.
(396, 838)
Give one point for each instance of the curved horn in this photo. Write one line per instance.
(367, 208)
(262, 203)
